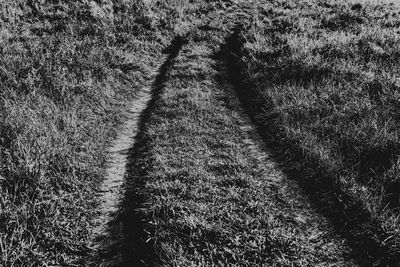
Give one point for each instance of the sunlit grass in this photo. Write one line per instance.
(67, 69)
(329, 73)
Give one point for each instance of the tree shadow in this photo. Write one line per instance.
(348, 216)
(129, 243)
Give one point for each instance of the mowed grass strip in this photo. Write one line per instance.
(208, 199)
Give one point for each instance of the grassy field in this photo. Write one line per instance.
(67, 69)
(321, 78)
(199, 186)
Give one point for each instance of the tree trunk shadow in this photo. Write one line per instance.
(129, 243)
(349, 217)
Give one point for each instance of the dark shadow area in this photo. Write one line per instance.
(343, 20)
(132, 246)
(348, 215)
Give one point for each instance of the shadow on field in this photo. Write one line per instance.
(349, 217)
(129, 230)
